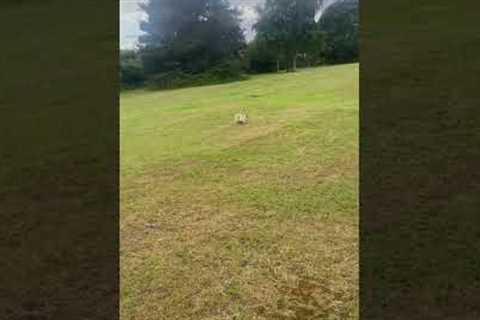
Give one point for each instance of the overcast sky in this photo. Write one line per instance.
(130, 17)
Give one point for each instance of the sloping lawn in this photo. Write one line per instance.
(222, 221)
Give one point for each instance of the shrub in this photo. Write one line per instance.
(131, 70)
(260, 58)
(225, 72)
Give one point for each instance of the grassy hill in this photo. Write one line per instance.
(221, 221)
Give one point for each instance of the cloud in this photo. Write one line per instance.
(248, 16)
(130, 17)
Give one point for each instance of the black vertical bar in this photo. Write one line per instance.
(59, 160)
(419, 160)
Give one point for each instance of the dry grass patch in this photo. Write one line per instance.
(193, 260)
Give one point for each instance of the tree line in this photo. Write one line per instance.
(193, 42)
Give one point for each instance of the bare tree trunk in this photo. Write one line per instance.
(278, 65)
(294, 63)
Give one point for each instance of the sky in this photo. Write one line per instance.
(130, 16)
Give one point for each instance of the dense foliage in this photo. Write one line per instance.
(288, 28)
(189, 37)
(131, 69)
(340, 24)
(195, 42)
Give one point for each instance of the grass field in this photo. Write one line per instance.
(221, 221)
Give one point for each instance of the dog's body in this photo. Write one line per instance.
(241, 118)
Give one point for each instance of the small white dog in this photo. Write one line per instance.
(241, 117)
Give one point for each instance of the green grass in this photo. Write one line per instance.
(221, 221)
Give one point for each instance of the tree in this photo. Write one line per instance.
(262, 57)
(189, 35)
(288, 27)
(131, 71)
(340, 25)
